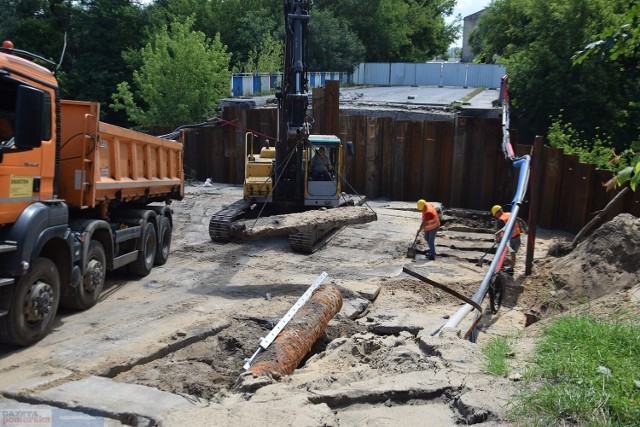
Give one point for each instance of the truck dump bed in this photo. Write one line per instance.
(101, 162)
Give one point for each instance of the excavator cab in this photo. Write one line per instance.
(322, 174)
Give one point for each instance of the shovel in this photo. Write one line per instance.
(411, 252)
(480, 260)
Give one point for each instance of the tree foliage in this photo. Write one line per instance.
(182, 78)
(105, 39)
(398, 30)
(267, 57)
(332, 44)
(620, 44)
(536, 40)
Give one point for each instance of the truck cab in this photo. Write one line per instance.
(78, 197)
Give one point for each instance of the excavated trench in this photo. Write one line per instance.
(207, 366)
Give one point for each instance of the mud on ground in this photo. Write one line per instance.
(169, 349)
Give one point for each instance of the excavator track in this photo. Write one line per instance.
(308, 243)
(220, 223)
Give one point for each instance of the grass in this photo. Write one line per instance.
(585, 372)
(496, 353)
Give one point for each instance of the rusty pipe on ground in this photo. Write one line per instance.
(296, 339)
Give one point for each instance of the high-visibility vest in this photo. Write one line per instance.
(516, 228)
(430, 222)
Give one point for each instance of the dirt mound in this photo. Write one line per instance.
(604, 264)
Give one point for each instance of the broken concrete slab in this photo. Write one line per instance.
(393, 322)
(391, 414)
(419, 385)
(353, 308)
(364, 289)
(257, 409)
(110, 397)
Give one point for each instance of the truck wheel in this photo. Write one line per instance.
(164, 246)
(86, 294)
(143, 265)
(33, 306)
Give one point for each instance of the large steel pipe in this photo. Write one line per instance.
(296, 339)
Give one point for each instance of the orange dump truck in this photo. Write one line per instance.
(78, 198)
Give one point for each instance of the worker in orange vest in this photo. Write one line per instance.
(501, 221)
(430, 225)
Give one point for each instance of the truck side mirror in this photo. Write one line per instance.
(28, 118)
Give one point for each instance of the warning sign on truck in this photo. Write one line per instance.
(21, 186)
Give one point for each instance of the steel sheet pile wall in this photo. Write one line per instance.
(453, 162)
(456, 162)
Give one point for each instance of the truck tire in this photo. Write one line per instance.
(144, 263)
(164, 242)
(34, 305)
(86, 294)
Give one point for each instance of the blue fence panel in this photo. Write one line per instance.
(265, 82)
(454, 74)
(429, 74)
(236, 85)
(275, 80)
(358, 74)
(376, 73)
(402, 74)
(383, 74)
(257, 87)
(485, 75)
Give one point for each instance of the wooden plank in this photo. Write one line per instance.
(580, 208)
(414, 161)
(490, 157)
(430, 162)
(476, 147)
(569, 182)
(332, 107)
(387, 125)
(535, 194)
(553, 160)
(372, 170)
(360, 143)
(459, 161)
(446, 133)
(399, 160)
(318, 104)
(346, 134)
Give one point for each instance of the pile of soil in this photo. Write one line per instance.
(600, 276)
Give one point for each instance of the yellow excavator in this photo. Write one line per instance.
(300, 171)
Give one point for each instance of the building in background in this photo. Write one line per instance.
(469, 24)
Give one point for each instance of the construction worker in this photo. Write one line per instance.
(321, 166)
(501, 221)
(430, 225)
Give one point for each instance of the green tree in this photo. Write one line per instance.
(536, 40)
(100, 30)
(398, 30)
(183, 76)
(332, 44)
(620, 44)
(265, 58)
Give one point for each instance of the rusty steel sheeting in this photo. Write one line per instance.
(297, 338)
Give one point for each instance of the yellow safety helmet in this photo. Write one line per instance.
(495, 209)
(421, 204)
